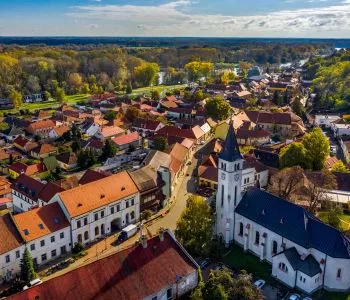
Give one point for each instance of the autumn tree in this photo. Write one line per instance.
(217, 108)
(16, 98)
(194, 228)
(155, 95)
(146, 74)
(340, 167)
(294, 154)
(197, 69)
(75, 80)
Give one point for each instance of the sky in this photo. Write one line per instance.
(200, 18)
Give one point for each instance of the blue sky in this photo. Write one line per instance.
(238, 18)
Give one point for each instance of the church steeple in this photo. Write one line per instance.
(230, 151)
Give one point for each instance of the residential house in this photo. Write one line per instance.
(92, 175)
(12, 133)
(18, 168)
(180, 113)
(45, 231)
(57, 132)
(41, 128)
(67, 161)
(161, 269)
(24, 144)
(248, 137)
(109, 132)
(325, 120)
(126, 141)
(145, 127)
(340, 130)
(98, 208)
(95, 145)
(5, 188)
(180, 156)
(43, 150)
(48, 192)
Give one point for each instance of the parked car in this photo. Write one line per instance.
(333, 149)
(204, 263)
(34, 282)
(259, 283)
(307, 298)
(294, 297)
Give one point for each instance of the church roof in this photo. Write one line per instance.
(293, 223)
(230, 151)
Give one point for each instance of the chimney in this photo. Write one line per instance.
(143, 241)
(161, 234)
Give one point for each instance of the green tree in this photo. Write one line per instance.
(298, 107)
(109, 149)
(4, 126)
(146, 214)
(110, 115)
(198, 95)
(155, 95)
(197, 69)
(340, 167)
(333, 217)
(294, 154)
(217, 108)
(27, 267)
(128, 89)
(132, 113)
(76, 146)
(194, 228)
(16, 98)
(85, 89)
(146, 73)
(160, 143)
(277, 99)
(317, 148)
(94, 88)
(60, 95)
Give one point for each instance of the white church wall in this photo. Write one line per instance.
(286, 275)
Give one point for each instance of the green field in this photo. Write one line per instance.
(159, 88)
(345, 219)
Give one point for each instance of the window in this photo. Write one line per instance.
(339, 273)
(78, 223)
(112, 210)
(86, 235)
(169, 293)
(132, 202)
(17, 254)
(241, 229)
(42, 243)
(118, 207)
(235, 195)
(257, 238)
(97, 230)
(127, 204)
(274, 247)
(32, 247)
(7, 258)
(102, 214)
(85, 221)
(43, 257)
(96, 217)
(222, 195)
(80, 238)
(62, 235)
(53, 239)
(283, 267)
(53, 253)
(63, 250)
(132, 215)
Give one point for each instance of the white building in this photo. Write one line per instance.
(95, 209)
(325, 120)
(304, 252)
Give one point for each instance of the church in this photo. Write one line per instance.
(304, 252)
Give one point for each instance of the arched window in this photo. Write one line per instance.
(241, 228)
(339, 273)
(257, 237)
(86, 235)
(274, 247)
(80, 238)
(97, 230)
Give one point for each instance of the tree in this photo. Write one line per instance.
(110, 115)
(297, 107)
(221, 285)
(109, 149)
(197, 69)
(198, 95)
(75, 80)
(85, 89)
(194, 228)
(4, 126)
(228, 77)
(146, 214)
(94, 88)
(333, 217)
(16, 98)
(155, 95)
(27, 267)
(317, 148)
(244, 66)
(340, 167)
(277, 99)
(128, 89)
(132, 113)
(146, 73)
(76, 146)
(60, 95)
(33, 84)
(285, 183)
(294, 154)
(217, 108)
(160, 143)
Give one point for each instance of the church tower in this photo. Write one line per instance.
(229, 186)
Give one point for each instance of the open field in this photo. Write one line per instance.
(345, 220)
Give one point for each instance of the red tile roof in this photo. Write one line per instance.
(49, 191)
(21, 141)
(126, 139)
(269, 117)
(131, 274)
(9, 235)
(91, 176)
(21, 168)
(208, 173)
(28, 186)
(44, 149)
(50, 216)
(40, 125)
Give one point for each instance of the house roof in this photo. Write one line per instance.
(145, 178)
(268, 158)
(41, 125)
(126, 139)
(68, 183)
(60, 130)
(208, 172)
(21, 141)
(308, 265)
(179, 152)
(91, 176)
(90, 196)
(269, 117)
(157, 158)
(13, 131)
(5, 187)
(49, 190)
(44, 149)
(110, 131)
(41, 221)
(293, 223)
(131, 274)
(243, 133)
(146, 124)
(230, 151)
(178, 132)
(28, 186)
(67, 158)
(9, 235)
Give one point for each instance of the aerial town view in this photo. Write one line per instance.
(175, 149)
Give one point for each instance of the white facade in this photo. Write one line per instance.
(325, 120)
(21, 202)
(10, 263)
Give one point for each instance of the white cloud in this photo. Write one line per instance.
(176, 18)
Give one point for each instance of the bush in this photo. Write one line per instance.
(78, 248)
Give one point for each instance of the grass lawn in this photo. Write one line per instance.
(239, 260)
(345, 219)
(160, 88)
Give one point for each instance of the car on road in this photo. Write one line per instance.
(204, 263)
(259, 283)
(34, 282)
(294, 297)
(333, 149)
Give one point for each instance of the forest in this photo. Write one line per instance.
(330, 81)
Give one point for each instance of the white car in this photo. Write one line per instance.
(259, 284)
(333, 149)
(294, 297)
(34, 282)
